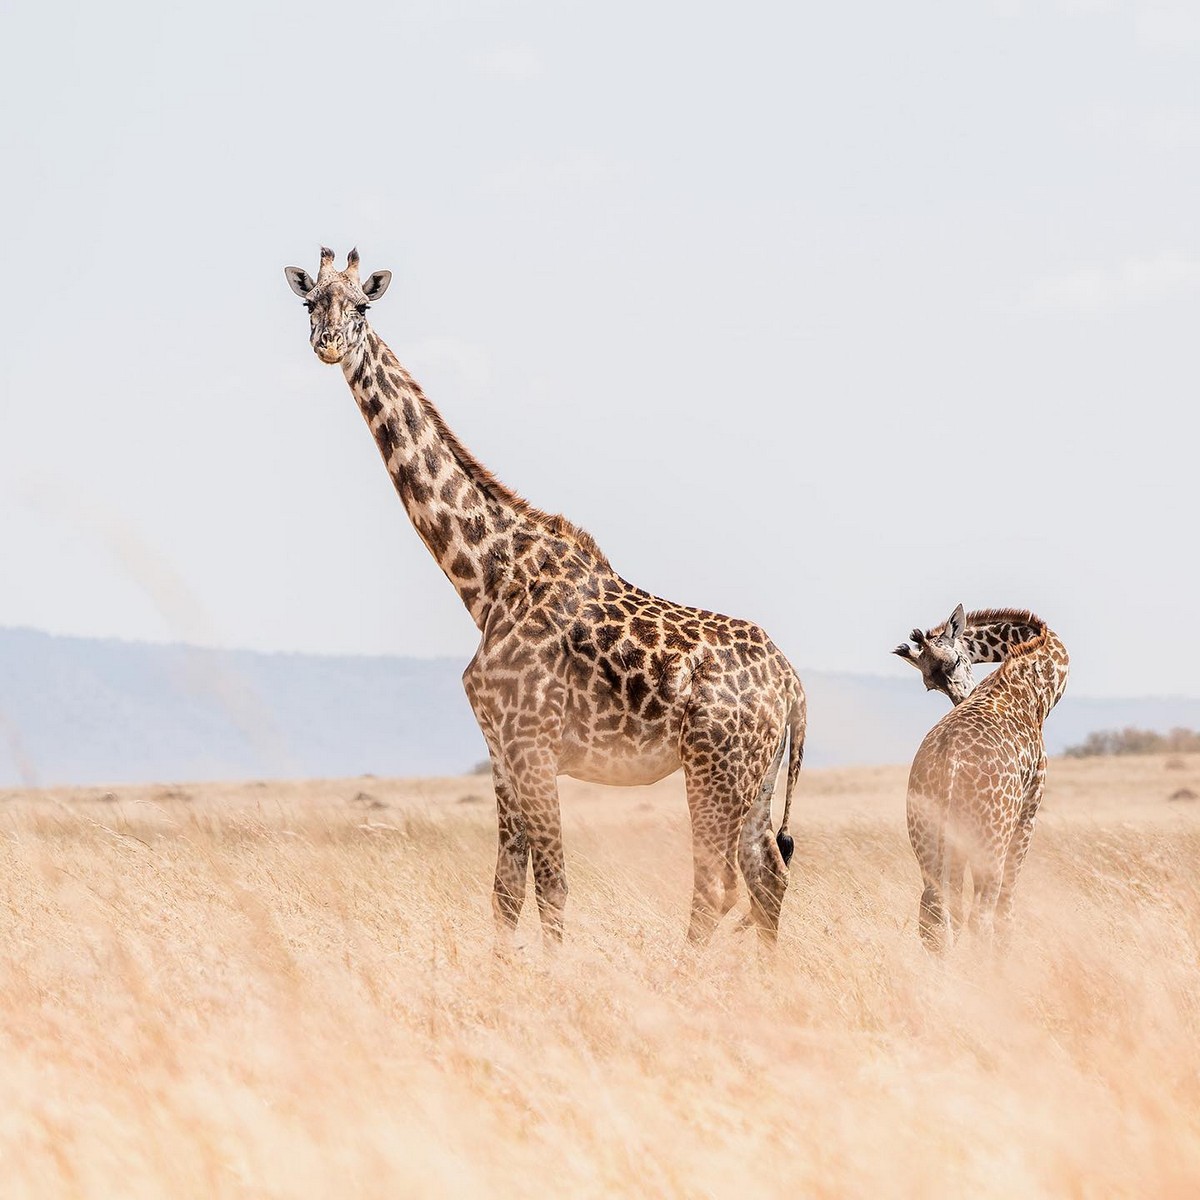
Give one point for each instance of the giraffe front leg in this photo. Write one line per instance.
(536, 793)
(512, 863)
(512, 844)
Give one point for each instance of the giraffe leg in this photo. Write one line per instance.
(1018, 847)
(525, 774)
(933, 918)
(512, 862)
(714, 838)
(709, 884)
(1013, 861)
(536, 789)
(729, 786)
(956, 880)
(729, 870)
(926, 819)
(763, 868)
(986, 875)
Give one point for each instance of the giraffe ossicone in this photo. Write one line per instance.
(977, 779)
(578, 672)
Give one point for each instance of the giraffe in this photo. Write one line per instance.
(577, 671)
(977, 779)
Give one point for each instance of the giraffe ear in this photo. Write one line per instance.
(377, 285)
(956, 624)
(299, 280)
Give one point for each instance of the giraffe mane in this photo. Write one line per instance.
(1018, 616)
(554, 523)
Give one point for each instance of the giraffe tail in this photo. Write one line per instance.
(796, 725)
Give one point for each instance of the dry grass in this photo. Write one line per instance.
(288, 990)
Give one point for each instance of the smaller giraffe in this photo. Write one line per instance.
(977, 779)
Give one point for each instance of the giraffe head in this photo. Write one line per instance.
(337, 304)
(942, 658)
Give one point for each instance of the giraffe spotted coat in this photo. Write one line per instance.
(977, 779)
(578, 672)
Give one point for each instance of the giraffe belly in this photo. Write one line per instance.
(630, 766)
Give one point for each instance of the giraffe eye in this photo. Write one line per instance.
(309, 305)
(362, 309)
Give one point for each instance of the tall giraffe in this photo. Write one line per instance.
(976, 781)
(577, 672)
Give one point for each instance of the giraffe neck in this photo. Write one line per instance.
(480, 532)
(1033, 657)
(991, 633)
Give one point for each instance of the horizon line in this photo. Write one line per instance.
(432, 658)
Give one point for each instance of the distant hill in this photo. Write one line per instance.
(84, 710)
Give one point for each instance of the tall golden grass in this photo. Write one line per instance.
(289, 990)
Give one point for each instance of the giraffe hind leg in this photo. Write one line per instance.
(986, 878)
(1013, 862)
(715, 826)
(766, 876)
(927, 836)
(1018, 847)
(764, 857)
(933, 919)
(730, 774)
(714, 882)
(955, 882)
(729, 876)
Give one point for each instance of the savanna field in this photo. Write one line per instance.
(288, 989)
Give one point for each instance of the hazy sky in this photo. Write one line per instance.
(829, 318)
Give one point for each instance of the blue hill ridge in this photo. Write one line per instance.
(94, 711)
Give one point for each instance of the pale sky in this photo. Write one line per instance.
(830, 317)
